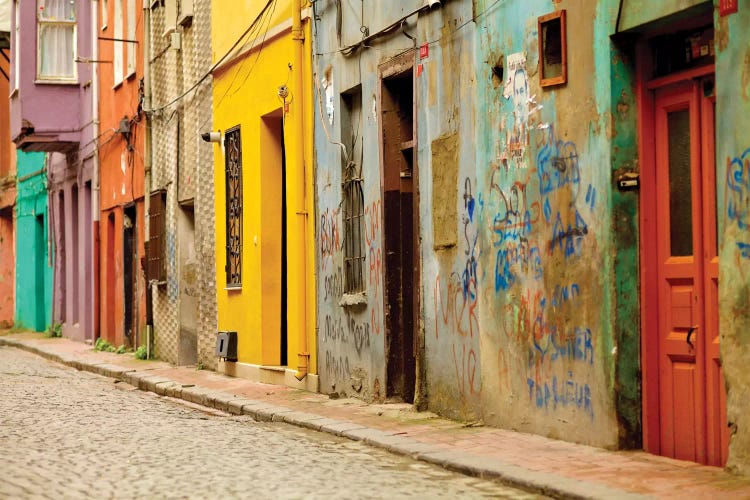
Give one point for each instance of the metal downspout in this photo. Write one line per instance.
(298, 37)
(95, 174)
(147, 158)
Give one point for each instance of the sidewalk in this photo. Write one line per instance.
(530, 462)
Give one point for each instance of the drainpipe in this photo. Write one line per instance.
(95, 174)
(147, 157)
(298, 37)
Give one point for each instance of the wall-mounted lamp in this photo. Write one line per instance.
(211, 136)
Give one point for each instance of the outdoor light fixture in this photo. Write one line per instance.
(211, 136)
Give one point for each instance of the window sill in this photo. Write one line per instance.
(69, 83)
(233, 288)
(14, 93)
(117, 85)
(130, 75)
(353, 300)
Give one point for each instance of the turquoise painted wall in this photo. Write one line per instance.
(33, 254)
(733, 206)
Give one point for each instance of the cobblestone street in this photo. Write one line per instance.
(71, 434)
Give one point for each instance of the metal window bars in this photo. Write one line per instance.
(354, 211)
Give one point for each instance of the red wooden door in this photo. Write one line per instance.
(692, 412)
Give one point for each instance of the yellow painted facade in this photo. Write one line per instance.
(246, 95)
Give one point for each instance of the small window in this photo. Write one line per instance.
(130, 35)
(553, 63)
(157, 219)
(16, 44)
(353, 201)
(170, 16)
(185, 18)
(56, 45)
(233, 176)
(354, 211)
(117, 58)
(105, 14)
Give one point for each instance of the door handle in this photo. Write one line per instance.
(690, 334)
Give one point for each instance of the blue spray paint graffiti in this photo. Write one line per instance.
(570, 393)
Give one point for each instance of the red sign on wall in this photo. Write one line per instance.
(727, 7)
(424, 51)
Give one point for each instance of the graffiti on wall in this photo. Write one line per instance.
(516, 134)
(455, 302)
(330, 236)
(738, 197)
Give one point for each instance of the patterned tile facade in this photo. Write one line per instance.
(183, 165)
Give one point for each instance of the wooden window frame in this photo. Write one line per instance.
(156, 269)
(541, 21)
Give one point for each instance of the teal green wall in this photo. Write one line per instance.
(638, 12)
(733, 207)
(33, 259)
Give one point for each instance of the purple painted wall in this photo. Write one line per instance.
(60, 113)
(58, 118)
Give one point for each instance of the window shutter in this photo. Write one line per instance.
(156, 235)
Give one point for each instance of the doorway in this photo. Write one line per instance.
(130, 272)
(189, 266)
(40, 262)
(684, 398)
(274, 252)
(400, 225)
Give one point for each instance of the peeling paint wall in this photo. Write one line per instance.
(351, 327)
(545, 265)
(530, 262)
(733, 207)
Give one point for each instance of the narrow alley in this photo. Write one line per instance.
(70, 434)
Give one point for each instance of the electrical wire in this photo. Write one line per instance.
(257, 57)
(216, 64)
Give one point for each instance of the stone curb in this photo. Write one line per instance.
(262, 411)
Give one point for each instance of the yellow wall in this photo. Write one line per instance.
(246, 94)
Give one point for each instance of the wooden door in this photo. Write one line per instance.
(691, 409)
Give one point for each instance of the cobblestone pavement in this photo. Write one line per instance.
(70, 434)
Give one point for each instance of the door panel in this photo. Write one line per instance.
(679, 219)
(692, 401)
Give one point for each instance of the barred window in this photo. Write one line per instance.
(354, 210)
(233, 171)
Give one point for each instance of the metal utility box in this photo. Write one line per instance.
(226, 346)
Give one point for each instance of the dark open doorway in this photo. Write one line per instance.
(274, 238)
(129, 260)
(400, 225)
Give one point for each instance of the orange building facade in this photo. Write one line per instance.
(121, 142)
(7, 203)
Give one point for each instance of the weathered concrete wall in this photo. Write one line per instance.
(351, 347)
(70, 188)
(34, 263)
(638, 12)
(448, 109)
(733, 207)
(537, 278)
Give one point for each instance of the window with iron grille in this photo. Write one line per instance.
(156, 269)
(354, 211)
(233, 173)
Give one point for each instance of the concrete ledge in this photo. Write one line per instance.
(338, 429)
(364, 434)
(235, 405)
(221, 400)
